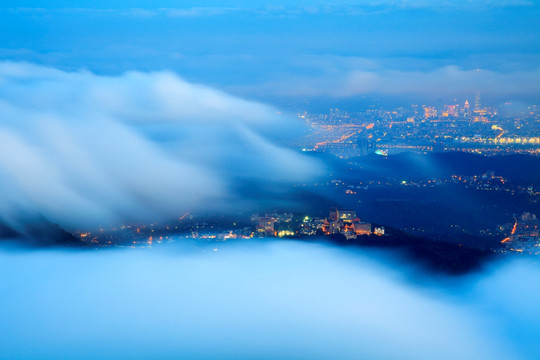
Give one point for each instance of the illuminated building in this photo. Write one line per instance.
(310, 226)
(265, 226)
(346, 215)
(477, 101)
(527, 228)
(450, 110)
(283, 233)
(345, 222)
(525, 235)
(430, 112)
(362, 228)
(333, 227)
(349, 231)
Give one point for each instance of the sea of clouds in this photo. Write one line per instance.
(258, 300)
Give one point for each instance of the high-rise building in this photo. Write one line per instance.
(449, 110)
(363, 147)
(477, 106)
(467, 108)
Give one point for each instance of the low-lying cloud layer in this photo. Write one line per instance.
(448, 81)
(273, 300)
(83, 149)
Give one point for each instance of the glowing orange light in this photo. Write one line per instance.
(514, 228)
(183, 216)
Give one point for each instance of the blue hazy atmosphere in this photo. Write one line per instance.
(151, 152)
(302, 49)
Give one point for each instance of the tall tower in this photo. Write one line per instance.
(479, 112)
(477, 101)
(363, 146)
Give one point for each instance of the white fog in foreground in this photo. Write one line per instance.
(271, 300)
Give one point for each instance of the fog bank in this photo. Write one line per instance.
(84, 150)
(258, 300)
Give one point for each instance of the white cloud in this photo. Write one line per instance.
(85, 149)
(259, 300)
(446, 81)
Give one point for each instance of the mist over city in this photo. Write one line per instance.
(300, 179)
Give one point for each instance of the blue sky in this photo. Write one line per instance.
(299, 49)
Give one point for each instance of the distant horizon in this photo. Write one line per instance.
(299, 49)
